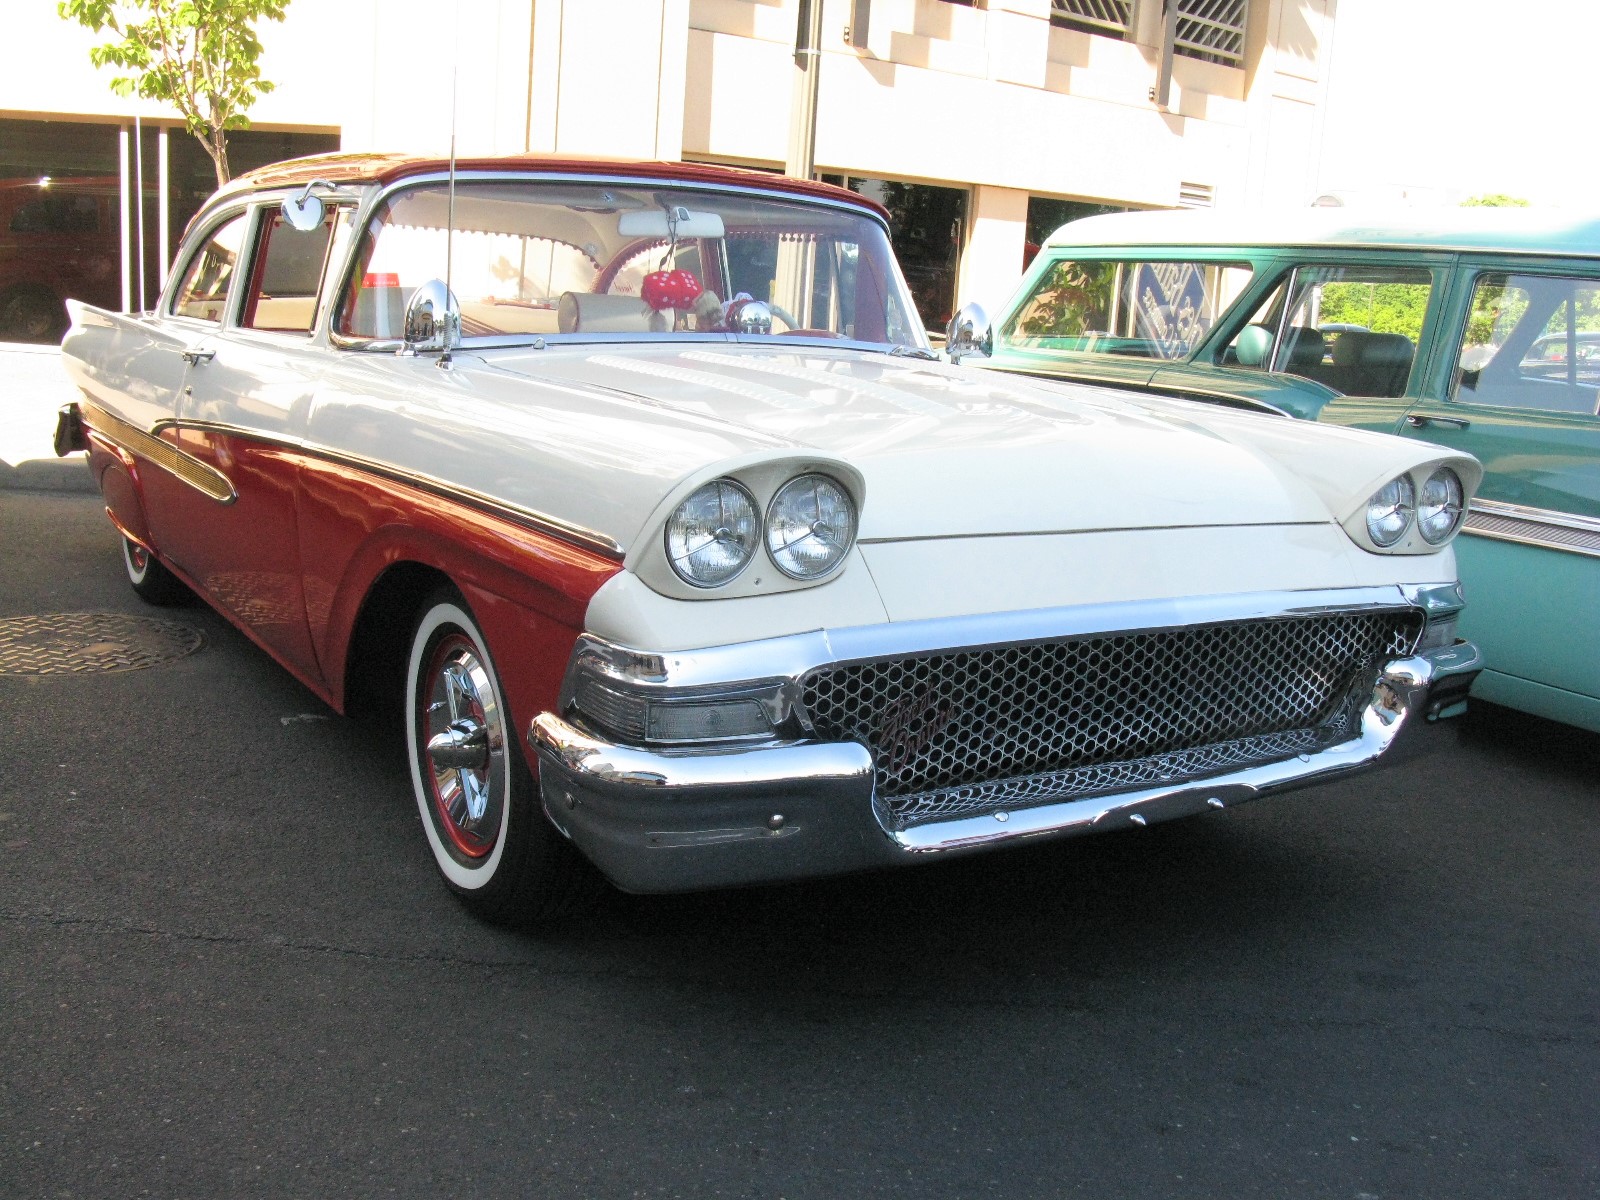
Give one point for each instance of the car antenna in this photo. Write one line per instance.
(450, 208)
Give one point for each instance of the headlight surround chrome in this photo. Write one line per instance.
(1391, 510)
(712, 536)
(1440, 506)
(811, 525)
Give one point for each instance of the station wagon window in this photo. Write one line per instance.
(1144, 309)
(287, 275)
(203, 290)
(1355, 329)
(1532, 341)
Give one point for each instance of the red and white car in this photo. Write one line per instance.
(692, 562)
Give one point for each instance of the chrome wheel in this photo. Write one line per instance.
(477, 797)
(462, 736)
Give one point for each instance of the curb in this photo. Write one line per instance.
(70, 474)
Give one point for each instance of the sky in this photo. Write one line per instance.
(1450, 98)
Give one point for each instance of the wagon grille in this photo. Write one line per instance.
(968, 731)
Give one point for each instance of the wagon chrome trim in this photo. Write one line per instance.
(201, 476)
(566, 531)
(1530, 526)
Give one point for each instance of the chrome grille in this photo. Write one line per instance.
(1100, 713)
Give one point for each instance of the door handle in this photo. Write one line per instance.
(1423, 420)
(195, 357)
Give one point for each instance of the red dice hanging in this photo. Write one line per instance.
(670, 289)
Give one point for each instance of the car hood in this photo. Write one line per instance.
(946, 451)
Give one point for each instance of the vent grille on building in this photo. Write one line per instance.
(1197, 195)
(1107, 17)
(1212, 30)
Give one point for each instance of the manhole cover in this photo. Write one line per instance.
(78, 643)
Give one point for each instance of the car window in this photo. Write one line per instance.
(591, 259)
(203, 290)
(1145, 309)
(288, 272)
(1531, 341)
(1355, 329)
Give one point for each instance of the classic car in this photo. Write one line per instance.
(637, 490)
(1473, 329)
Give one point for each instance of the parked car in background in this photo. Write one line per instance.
(1476, 329)
(680, 552)
(59, 238)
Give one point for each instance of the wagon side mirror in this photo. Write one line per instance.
(303, 212)
(433, 320)
(969, 332)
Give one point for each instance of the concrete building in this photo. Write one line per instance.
(982, 123)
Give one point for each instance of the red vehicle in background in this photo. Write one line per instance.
(60, 239)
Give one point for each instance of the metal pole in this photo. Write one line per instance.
(802, 158)
(163, 204)
(1169, 39)
(138, 200)
(127, 222)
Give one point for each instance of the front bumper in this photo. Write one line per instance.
(683, 820)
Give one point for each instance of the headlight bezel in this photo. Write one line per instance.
(1468, 474)
(760, 477)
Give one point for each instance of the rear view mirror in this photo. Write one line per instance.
(969, 332)
(675, 222)
(303, 212)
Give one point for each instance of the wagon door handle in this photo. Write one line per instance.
(1423, 420)
(195, 357)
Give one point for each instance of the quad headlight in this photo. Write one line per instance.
(811, 525)
(1440, 507)
(1391, 510)
(711, 536)
(809, 529)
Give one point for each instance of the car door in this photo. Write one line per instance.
(244, 403)
(1518, 390)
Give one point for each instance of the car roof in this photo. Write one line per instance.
(386, 168)
(1525, 230)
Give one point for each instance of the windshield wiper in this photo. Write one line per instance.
(900, 351)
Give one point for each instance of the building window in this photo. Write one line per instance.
(1109, 18)
(1047, 214)
(1212, 30)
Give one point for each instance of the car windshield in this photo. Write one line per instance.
(535, 258)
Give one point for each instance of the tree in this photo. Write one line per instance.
(1494, 200)
(200, 56)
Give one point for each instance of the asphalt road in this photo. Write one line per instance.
(228, 970)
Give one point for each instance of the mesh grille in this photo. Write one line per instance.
(1133, 707)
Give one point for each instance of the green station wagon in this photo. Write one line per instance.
(1474, 328)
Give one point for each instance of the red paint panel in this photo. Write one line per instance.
(529, 591)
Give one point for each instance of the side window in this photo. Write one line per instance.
(1532, 341)
(1355, 329)
(203, 291)
(1141, 309)
(289, 266)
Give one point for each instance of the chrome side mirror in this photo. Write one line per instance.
(304, 212)
(969, 332)
(433, 320)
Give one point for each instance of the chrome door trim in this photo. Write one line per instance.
(1528, 526)
(150, 447)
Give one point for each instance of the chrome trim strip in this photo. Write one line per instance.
(577, 535)
(1528, 526)
(201, 476)
(791, 656)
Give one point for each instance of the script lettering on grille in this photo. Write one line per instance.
(910, 724)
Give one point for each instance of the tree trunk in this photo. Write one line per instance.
(216, 144)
